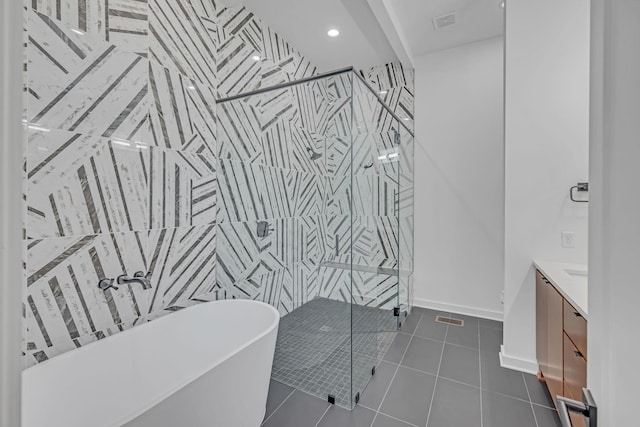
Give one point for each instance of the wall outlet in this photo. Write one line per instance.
(568, 239)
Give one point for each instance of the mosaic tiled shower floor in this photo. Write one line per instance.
(314, 347)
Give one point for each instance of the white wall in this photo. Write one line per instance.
(459, 179)
(614, 255)
(10, 215)
(546, 152)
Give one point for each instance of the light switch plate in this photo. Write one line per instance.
(568, 239)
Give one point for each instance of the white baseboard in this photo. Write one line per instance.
(518, 364)
(459, 309)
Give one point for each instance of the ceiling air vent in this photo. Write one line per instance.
(446, 20)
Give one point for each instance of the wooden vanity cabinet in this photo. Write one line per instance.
(541, 321)
(575, 327)
(549, 315)
(561, 339)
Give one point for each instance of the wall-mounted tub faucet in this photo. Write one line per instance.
(123, 279)
(138, 277)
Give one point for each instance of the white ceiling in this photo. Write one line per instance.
(304, 23)
(475, 20)
(365, 36)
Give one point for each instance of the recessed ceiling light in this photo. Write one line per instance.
(256, 57)
(383, 92)
(406, 119)
(501, 5)
(191, 87)
(333, 33)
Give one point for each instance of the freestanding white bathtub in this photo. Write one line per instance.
(206, 365)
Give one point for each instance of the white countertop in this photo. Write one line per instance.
(570, 280)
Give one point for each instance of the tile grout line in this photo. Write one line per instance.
(439, 376)
(513, 397)
(396, 371)
(323, 414)
(395, 418)
(480, 375)
(530, 403)
(468, 385)
(544, 406)
(278, 407)
(433, 395)
(453, 344)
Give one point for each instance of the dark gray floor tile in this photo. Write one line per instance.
(423, 354)
(278, 392)
(466, 335)
(501, 380)
(503, 411)
(411, 322)
(469, 321)
(538, 391)
(455, 405)
(409, 396)
(299, 410)
(493, 324)
(340, 417)
(461, 364)
(378, 385)
(546, 417)
(429, 328)
(384, 421)
(490, 340)
(398, 347)
(420, 310)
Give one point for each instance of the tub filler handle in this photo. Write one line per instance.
(105, 284)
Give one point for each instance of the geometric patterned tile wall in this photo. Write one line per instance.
(122, 162)
(282, 147)
(131, 167)
(382, 196)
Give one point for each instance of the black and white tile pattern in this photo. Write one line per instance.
(123, 23)
(131, 166)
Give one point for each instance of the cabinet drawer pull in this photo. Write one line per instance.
(578, 354)
(575, 313)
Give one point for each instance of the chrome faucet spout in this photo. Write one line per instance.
(138, 277)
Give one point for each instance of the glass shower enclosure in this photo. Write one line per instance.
(315, 217)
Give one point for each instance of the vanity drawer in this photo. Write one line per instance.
(576, 327)
(575, 370)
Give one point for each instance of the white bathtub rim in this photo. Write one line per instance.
(162, 396)
(157, 398)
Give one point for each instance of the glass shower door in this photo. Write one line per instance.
(375, 282)
(405, 219)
